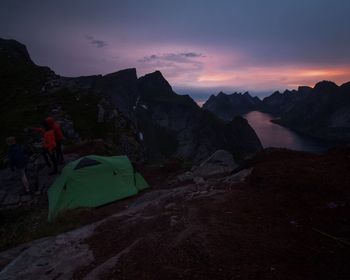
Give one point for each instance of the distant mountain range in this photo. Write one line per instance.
(228, 106)
(116, 107)
(322, 111)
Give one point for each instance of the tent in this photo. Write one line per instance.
(93, 181)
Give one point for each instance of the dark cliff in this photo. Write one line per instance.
(195, 133)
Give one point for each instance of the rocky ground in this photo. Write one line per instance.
(285, 215)
(12, 194)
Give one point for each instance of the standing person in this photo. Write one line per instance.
(18, 160)
(49, 145)
(58, 137)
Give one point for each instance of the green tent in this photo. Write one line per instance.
(93, 181)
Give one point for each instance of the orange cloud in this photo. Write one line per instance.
(272, 77)
(195, 66)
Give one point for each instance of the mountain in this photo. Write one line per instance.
(116, 107)
(18, 71)
(324, 112)
(29, 93)
(188, 130)
(282, 102)
(228, 106)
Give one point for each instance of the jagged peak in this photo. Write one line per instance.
(301, 88)
(345, 85)
(326, 85)
(154, 75)
(129, 72)
(211, 98)
(277, 92)
(15, 50)
(221, 93)
(247, 94)
(257, 98)
(154, 84)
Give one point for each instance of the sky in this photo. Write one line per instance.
(201, 47)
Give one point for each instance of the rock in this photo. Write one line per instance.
(221, 162)
(2, 194)
(25, 198)
(173, 221)
(199, 180)
(122, 88)
(209, 225)
(238, 177)
(170, 206)
(100, 113)
(332, 205)
(11, 199)
(60, 259)
(188, 176)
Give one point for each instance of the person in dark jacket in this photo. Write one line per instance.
(18, 160)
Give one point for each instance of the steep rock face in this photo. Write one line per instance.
(121, 86)
(197, 133)
(323, 113)
(17, 70)
(14, 52)
(154, 85)
(227, 106)
(20, 85)
(244, 141)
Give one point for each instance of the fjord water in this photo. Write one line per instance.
(274, 135)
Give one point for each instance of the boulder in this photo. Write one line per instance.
(199, 180)
(185, 177)
(221, 162)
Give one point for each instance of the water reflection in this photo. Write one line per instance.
(273, 135)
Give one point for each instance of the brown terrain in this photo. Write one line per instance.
(284, 216)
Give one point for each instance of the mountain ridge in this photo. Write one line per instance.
(172, 124)
(322, 111)
(228, 106)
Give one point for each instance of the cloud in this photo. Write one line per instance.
(183, 57)
(192, 54)
(185, 66)
(96, 43)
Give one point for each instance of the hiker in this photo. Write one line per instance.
(18, 160)
(49, 146)
(58, 137)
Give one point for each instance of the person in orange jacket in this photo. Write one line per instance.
(49, 146)
(58, 137)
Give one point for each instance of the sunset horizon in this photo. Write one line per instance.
(199, 47)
